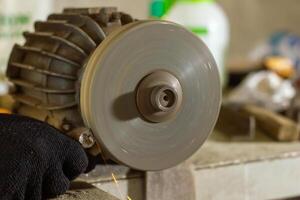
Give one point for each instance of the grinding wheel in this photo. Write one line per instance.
(112, 78)
(149, 93)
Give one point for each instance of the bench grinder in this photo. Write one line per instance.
(147, 93)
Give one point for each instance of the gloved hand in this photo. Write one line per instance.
(36, 160)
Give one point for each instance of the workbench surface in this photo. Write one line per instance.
(222, 169)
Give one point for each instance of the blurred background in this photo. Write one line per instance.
(256, 44)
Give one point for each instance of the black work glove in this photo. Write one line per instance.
(36, 160)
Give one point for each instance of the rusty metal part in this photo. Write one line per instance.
(143, 89)
(46, 68)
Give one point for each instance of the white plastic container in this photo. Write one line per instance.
(17, 16)
(205, 18)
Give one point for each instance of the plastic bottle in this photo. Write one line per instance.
(203, 17)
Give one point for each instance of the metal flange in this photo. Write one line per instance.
(159, 96)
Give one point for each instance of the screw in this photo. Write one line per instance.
(87, 139)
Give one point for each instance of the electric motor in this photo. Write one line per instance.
(146, 92)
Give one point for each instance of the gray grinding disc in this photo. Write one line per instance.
(108, 94)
